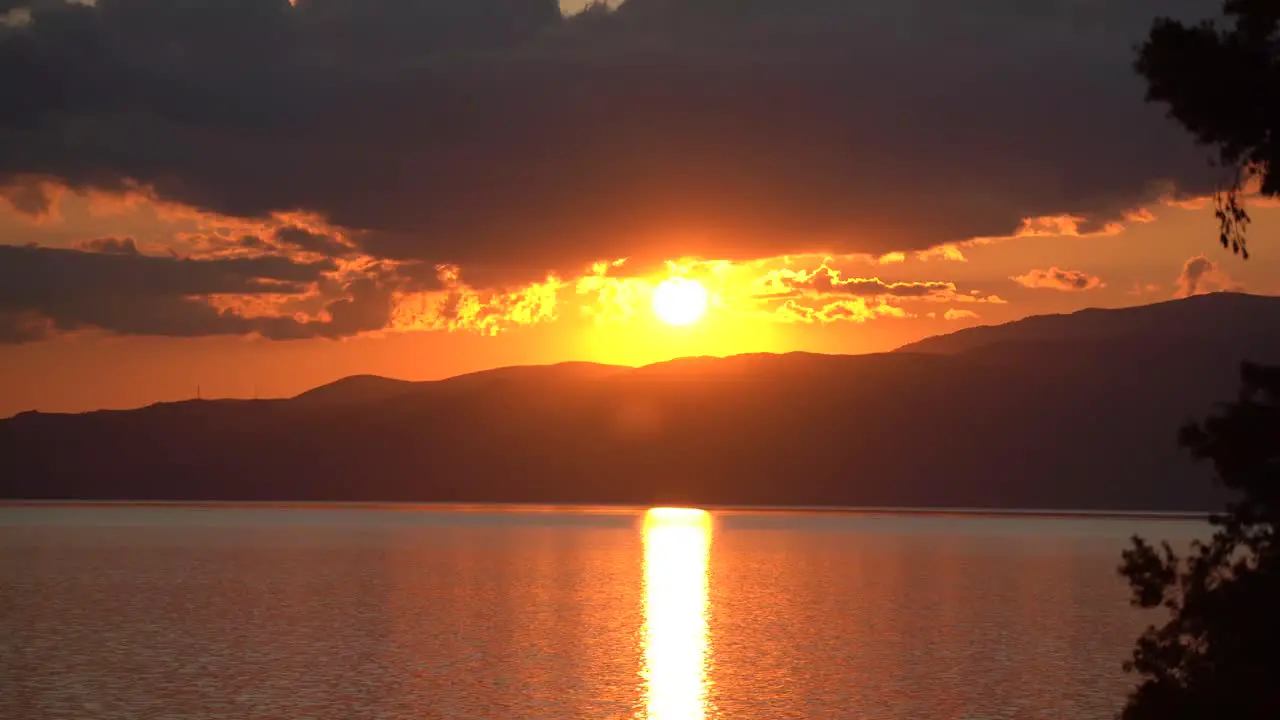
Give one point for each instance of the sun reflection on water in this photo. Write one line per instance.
(677, 543)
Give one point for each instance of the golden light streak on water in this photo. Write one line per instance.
(677, 543)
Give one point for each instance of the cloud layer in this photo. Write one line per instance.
(45, 290)
(827, 282)
(496, 134)
(1201, 275)
(1061, 280)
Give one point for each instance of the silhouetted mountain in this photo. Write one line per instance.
(1226, 317)
(372, 388)
(355, 389)
(1071, 411)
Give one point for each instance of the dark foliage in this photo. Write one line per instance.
(1218, 656)
(1219, 80)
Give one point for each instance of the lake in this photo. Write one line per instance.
(344, 613)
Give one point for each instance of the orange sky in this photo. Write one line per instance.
(603, 314)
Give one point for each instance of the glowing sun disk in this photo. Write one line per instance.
(679, 301)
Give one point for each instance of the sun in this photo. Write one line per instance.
(679, 301)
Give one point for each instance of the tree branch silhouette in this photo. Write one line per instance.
(1218, 79)
(1218, 654)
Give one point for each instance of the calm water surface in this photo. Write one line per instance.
(342, 614)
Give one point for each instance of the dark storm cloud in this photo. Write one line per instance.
(492, 132)
(46, 289)
(45, 274)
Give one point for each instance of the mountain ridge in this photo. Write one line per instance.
(1079, 419)
(1204, 320)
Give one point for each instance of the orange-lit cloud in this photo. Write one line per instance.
(607, 297)
(40, 198)
(135, 294)
(974, 296)
(462, 308)
(301, 308)
(1077, 226)
(1046, 226)
(949, 251)
(1201, 275)
(134, 197)
(292, 234)
(826, 281)
(34, 197)
(1058, 279)
(857, 310)
(778, 289)
(357, 293)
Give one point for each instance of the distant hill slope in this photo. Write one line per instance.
(560, 372)
(355, 389)
(1076, 411)
(1216, 317)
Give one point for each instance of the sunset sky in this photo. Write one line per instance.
(251, 197)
